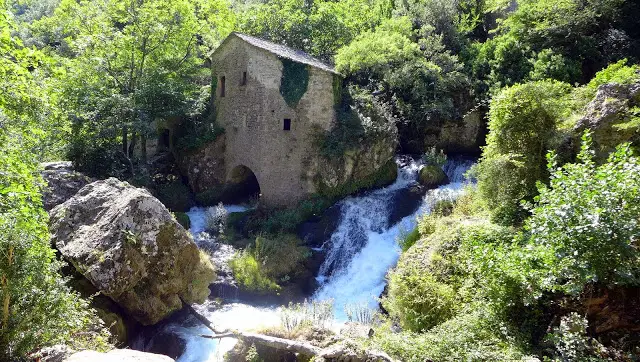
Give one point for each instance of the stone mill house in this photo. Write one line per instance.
(270, 99)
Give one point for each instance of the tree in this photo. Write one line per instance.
(37, 308)
(134, 64)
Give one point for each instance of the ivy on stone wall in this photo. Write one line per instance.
(294, 81)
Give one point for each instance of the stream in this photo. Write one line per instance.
(359, 253)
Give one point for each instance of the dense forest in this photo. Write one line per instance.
(539, 258)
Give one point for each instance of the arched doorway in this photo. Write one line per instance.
(242, 186)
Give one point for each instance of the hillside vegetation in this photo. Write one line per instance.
(534, 261)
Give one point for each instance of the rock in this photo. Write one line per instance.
(118, 355)
(611, 106)
(62, 183)
(130, 247)
(316, 231)
(57, 353)
(615, 309)
(405, 202)
(205, 167)
(432, 176)
(460, 137)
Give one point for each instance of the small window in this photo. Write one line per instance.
(223, 84)
(243, 80)
(287, 124)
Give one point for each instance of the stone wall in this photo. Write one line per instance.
(253, 115)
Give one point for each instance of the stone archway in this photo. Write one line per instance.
(242, 185)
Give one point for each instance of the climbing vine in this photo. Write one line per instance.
(294, 81)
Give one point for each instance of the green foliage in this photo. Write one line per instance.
(37, 308)
(523, 123)
(197, 136)
(297, 316)
(294, 82)
(270, 262)
(584, 224)
(434, 157)
(409, 239)
(473, 335)
(248, 273)
(618, 72)
(183, 219)
(319, 28)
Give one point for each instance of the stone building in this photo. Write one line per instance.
(270, 98)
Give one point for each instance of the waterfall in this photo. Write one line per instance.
(364, 246)
(360, 252)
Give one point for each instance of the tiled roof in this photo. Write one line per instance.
(285, 52)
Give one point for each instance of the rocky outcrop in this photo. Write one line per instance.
(611, 107)
(205, 167)
(62, 183)
(459, 137)
(118, 355)
(128, 245)
(357, 169)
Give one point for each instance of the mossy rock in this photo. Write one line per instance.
(432, 176)
(383, 176)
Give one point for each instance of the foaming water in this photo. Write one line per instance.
(359, 254)
(357, 262)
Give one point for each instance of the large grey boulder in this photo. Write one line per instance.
(118, 355)
(62, 183)
(129, 246)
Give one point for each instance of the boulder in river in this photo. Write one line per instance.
(130, 247)
(432, 176)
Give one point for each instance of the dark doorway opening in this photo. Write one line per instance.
(223, 86)
(287, 124)
(242, 186)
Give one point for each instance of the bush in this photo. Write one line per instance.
(618, 72)
(409, 239)
(269, 262)
(248, 273)
(584, 225)
(216, 219)
(523, 122)
(473, 335)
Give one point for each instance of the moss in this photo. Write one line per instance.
(202, 275)
(432, 176)
(183, 219)
(294, 81)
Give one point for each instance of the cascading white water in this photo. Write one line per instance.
(359, 269)
(361, 251)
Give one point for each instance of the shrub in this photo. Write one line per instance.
(618, 72)
(434, 157)
(473, 335)
(584, 226)
(269, 262)
(316, 314)
(523, 123)
(248, 273)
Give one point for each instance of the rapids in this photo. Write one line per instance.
(360, 252)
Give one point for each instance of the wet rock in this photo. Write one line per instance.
(62, 183)
(317, 231)
(118, 355)
(128, 245)
(405, 202)
(460, 137)
(432, 176)
(166, 342)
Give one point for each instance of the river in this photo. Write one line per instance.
(360, 252)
